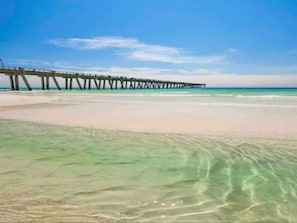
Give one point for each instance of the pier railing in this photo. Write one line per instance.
(85, 80)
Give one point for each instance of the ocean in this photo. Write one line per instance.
(269, 92)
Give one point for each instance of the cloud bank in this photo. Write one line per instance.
(134, 49)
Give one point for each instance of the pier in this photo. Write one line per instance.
(84, 80)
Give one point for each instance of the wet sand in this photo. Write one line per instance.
(155, 113)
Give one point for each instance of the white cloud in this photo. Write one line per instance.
(153, 56)
(137, 50)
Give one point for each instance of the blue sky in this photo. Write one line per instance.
(223, 42)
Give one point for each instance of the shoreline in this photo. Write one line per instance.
(154, 114)
(220, 137)
(76, 164)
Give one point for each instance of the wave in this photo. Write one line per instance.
(268, 96)
(201, 95)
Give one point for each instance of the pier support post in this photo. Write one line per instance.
(17, 84)
(26, 82)
(131, 84)
(99, 83)
(78, 83)
(11, 83)
(116, 84)
(56, 83)
(122, 84)
(95, 81)
(103, 83)
(90, 83)
(85, 83)
(139, 85)
(70, 84)
(42, 83)
(110, 83)
(47, 82)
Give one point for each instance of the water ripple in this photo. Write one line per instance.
(77, 174)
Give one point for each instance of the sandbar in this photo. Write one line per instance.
(156, 113)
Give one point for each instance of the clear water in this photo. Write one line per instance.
(267, 92)
(64, 174)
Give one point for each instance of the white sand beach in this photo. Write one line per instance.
(179, 157)
(158, 113)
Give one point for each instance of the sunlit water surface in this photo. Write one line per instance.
(63, 174)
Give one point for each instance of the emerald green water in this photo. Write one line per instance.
(261, 92)
(213, 92)
(65, 174)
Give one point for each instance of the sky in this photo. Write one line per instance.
(223, 43)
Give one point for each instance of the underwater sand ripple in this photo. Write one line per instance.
(76, 174)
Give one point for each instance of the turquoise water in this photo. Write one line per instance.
(196, 91)
(218, 91)
(65, 174)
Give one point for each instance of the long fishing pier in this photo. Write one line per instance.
(84, 81)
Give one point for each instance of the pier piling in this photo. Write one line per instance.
(113, 82)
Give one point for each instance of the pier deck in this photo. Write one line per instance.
(84, 80)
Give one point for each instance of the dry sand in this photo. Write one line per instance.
(155, 113)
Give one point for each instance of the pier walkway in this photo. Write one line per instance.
(84, 80)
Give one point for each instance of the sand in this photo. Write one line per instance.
(155, 113)
(54, 173)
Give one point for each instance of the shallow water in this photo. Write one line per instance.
(54, 173)
(213, 92)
